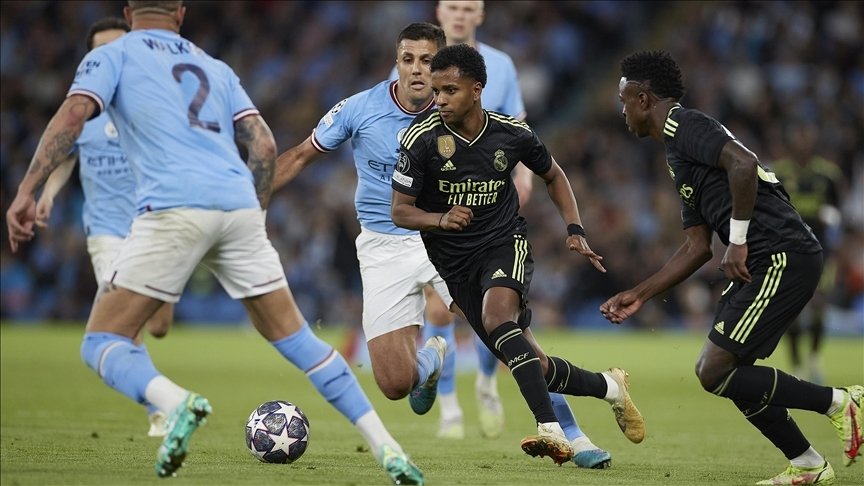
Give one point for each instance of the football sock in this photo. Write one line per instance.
(327, 370)
(121, 364)
(151, 409)
(447, 380)
(165, 394)
(450, 409)
(427, 361)
(810, 458)
(486, 361)
(565, 416)
(837, 398)
(526, 370)
(372, 429)
(770, 386)
(776, 425)
(563, 377)
(612, 389)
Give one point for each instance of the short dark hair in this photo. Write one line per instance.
(469, 62)
(155, 6)
(108, 23)
(423, 31)
(656, 68)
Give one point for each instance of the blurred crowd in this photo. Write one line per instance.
(764, 69)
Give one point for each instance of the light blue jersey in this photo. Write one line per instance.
(502, 92)
(174, 107)
(107, 180)
(374, 121)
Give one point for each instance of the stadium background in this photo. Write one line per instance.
(756, 66)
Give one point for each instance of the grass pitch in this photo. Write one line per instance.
(60, 425)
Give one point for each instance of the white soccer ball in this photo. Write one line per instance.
(277, 432)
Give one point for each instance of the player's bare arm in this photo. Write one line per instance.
(562, 196)
(252, 133)
(64, 128)
(55, 182)
(692, 254)
(523, 181)
(741, 166)
(292, 161)
(406, 215)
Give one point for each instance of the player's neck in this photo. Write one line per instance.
(470, 126)
(154, 21)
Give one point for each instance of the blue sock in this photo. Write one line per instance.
(151, 409)
(447, 382)
(121, 364)
(486, 361)
(327, 370)
(565, 416)
(427, 361)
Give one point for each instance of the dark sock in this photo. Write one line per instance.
(776, 425)
(764, 385)
(563, 377)
(794, 336)
(526, 370)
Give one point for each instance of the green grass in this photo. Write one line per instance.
(60, 425)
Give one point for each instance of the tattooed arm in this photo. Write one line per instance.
(60, 134)
(253, 134)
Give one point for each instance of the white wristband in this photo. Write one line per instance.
(738, 231)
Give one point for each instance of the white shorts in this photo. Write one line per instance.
(394, 269)
(103, 249)
(163, 248)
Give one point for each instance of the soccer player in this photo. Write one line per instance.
(452, 183)
(460, 20)
(181, 115)
(773, 262)
(109, 197)
(814, 184)
(393, 264)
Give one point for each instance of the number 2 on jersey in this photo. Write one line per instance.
(200, 95)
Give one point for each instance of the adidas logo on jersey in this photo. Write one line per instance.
(719, 327)
(448, 166)
(499, 274)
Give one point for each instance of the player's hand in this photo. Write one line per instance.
(19, 220)
(43, 211)
(621, 306)
(456, 219)
(734, 263)
(580, 244)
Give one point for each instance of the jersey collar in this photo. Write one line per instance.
(406, 110)
(479, 135)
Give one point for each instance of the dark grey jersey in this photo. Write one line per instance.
(694, 141)
(442, 169)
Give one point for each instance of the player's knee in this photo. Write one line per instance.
(711, 375)
(158, 327)
(394, 389)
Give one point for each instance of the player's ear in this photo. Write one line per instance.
(127, 14)
(179, 15)
(478, 90)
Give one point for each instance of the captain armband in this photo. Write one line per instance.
(738, 231)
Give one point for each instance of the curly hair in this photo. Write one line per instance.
(658, 69)
(469, 62)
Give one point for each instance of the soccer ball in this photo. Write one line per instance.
(277, 432)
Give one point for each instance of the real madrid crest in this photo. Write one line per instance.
(446, 146)
(500, 161)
